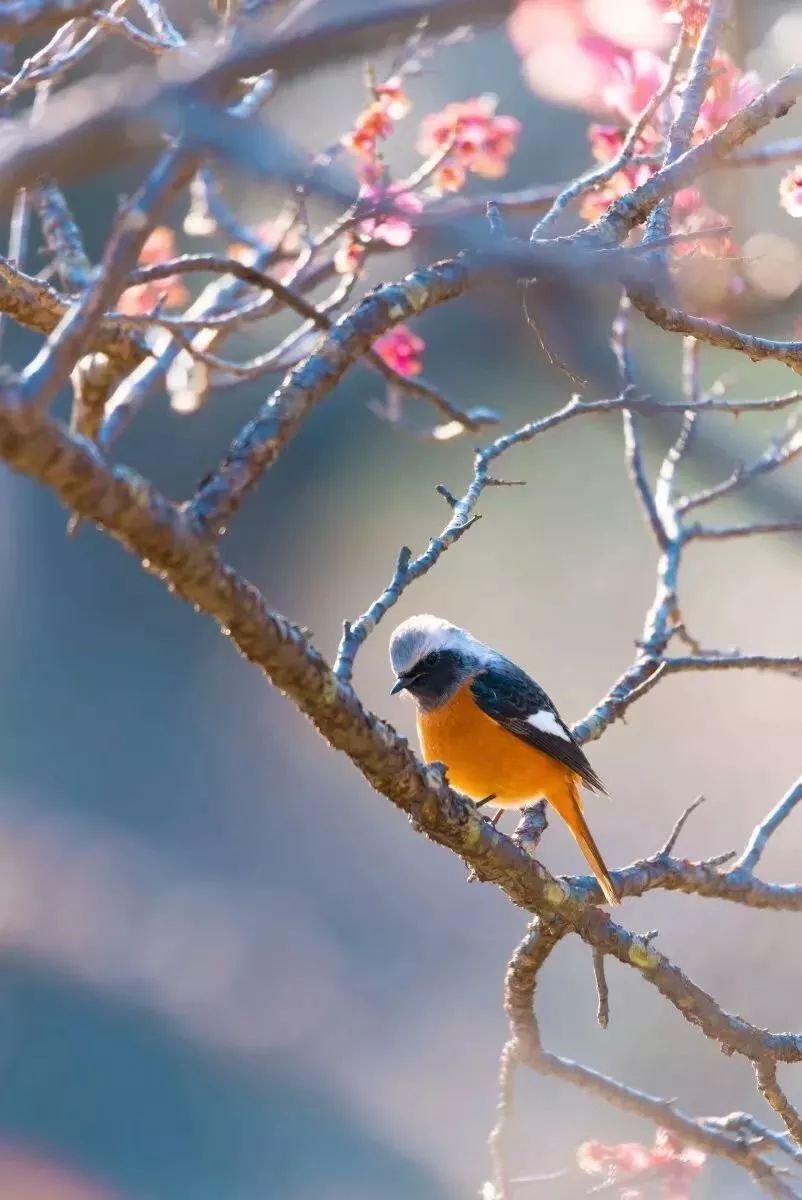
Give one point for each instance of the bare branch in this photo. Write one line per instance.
(520, 985)
(685, 122)
(678, 828)
(676, 321)
(757, 843)
(786, 664)
(39, 307)
(772, 1093)
(22, 18)
(664, 489)
(723, 532)
(472, 420)
(63, 237)
(602, 991)
(746, 1126)
(784, 450)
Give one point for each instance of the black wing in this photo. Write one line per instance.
(507, 694)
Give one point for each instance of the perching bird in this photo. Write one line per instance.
(494, 728)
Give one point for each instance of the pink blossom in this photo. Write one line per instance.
(692, 14)
(569, 48)
(639, 78)
(592, 1157)
(606, 141)
(401, 349)
(686, 200)
(730, 89)
(449, 177)
(349, 256)
(393, 99)
(390, 228)
(376, 121)
(671, 1162)
(370, 126)
(695, 217)
(791, 191)
(596, 202)
(159, 247)
(480, 141)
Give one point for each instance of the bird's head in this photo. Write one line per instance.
(431, 658)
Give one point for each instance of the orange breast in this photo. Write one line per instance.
(483, 759)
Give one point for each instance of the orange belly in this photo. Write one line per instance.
(483, 759)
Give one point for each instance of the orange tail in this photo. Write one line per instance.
(569, 806)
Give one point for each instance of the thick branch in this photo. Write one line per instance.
(39, 307)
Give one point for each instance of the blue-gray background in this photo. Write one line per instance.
(230, 971)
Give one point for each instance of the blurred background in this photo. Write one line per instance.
(229, 970)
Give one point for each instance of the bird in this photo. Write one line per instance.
(496, 731)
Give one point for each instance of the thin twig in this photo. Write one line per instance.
(768, 826)
(679, 825)
(602, 991)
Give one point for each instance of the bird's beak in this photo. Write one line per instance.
(399, 686)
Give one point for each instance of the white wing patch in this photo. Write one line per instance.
(546, 722)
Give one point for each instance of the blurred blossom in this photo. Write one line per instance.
(401, 349)
(696, 217)
(349, 255)
(450, 177)
(394, 99)
(674, 1165)
(772, 265)
(791, 191)
(708, 283)
(570, 47)
(639, 78)
(630, 25)
(25, 1176)
(391, 228)
(371, 125)
(143, 298)
(188, 382)
(691, 13)
(377, 120)
(730, 89)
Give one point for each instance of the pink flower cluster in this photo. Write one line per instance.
(143, 298)
(473, 138)
(570, 48)
(375, 122)
(707, 273)
(668, 1162)
(401, 349)
(637, 79)
(467, 136)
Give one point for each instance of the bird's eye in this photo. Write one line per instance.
(431, 658)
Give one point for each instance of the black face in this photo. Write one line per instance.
(433, 677)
